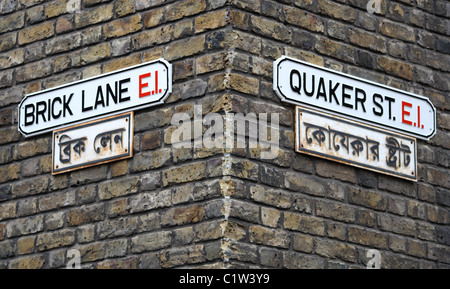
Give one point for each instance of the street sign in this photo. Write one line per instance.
(128, 89)
(92, 143)
(353, 143)
(301, 83)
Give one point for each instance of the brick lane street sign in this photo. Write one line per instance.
(305, 84)
(124, 90)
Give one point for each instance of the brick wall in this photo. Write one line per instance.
(221, 208)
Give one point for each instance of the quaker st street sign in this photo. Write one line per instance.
(124, 90)
(301, 83)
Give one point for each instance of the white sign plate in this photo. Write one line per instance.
(301, 83)
(92, 143)
(355, 144)
(128, 89)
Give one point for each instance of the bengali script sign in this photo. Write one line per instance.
(355, 144)
(92, 143)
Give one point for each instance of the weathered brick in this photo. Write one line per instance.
(304, 183)
(36, 32)
(181, 256)
(183, 215)
(149, 201)
(332, 249)
(26, 207)
(275, 198)
(11, 58)
(270, 257)
(56, 200)
(92, 54)
(55, 8)
(439, 252)
(85, 214)
(9, 172)
(124, 7)
(8, 41)
(8, 211)
(336, 10)
(183, 69)
(367, 198)
(270, 28)
(335, 211)
(47, 241)
(184, 48)
(244, 211)
(367, 40)
(88, 175)
(394, 67)
(270, 217)
(269, 237)
(33, 71)
(29, 187)
(124, 263)
(2, 232)
(149, 38)
(123, 27)
(25, 226)
(64, 24)
(123, 226)
(184, 8)
(183, 236)
(305, 224)
(118, 188)
(154, 18)
(183, 174)
(252, 5)
(150, 242)
(367, 237)
(397, 225)
(209, 21)
(7, 249)
(293, 260)
(92, 252)
(397, 186)
(336, 170)
(12, 21)
(86, 233)
(335, 49)
(28, 262)
(54, 221)
(242, 252)
(94, 15)
(210, 62)
(63, 43)
(397, 30)
(25, 245)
